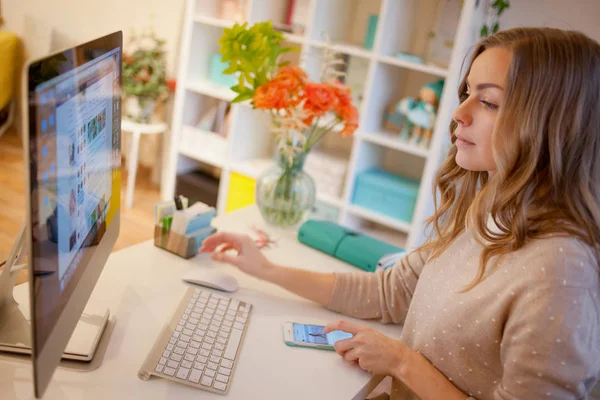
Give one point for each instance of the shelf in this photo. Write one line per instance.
(344, 48)
(252, 168)
(209, 88)
(293, 38)
(381, 219)
(428, 69)
(219, 22)
(392, 141)
(207, 147)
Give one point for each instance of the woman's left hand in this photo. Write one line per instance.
(373, 351)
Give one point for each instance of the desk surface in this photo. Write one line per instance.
(142, 285)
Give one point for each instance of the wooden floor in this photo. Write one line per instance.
(137, 223)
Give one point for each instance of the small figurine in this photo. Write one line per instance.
(422, 115)
(414, 118)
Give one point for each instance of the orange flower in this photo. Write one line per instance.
(271, 95)
(342, 92)
(349, 116)
(292, 78)
(320, 98)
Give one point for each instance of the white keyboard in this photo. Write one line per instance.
(202, 342)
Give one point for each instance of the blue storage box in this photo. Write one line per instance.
(216, 72)
(386, 193)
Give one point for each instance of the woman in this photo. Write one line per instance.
(502, 302)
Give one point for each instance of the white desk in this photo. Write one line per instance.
(142, 286)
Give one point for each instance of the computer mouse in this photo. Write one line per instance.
(211, 279)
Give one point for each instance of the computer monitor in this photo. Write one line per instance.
(72, 151)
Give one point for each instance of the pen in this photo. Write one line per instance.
(178, 204)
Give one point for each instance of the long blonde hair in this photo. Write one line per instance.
(546, 146)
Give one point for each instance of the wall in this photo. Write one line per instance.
(76, 21)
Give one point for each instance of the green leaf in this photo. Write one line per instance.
(484, 31)
(495, 28)
(242, 97)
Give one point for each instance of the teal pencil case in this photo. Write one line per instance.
(355, 248)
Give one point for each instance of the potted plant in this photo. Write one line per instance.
(144, 76)
(301, 111)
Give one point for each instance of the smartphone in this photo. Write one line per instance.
(303, 335)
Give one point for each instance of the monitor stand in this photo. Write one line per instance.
(15, 324)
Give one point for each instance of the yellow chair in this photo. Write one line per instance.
(8, 68)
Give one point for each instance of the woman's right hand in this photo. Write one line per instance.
(249, 258)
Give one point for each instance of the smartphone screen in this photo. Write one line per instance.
(315, 334)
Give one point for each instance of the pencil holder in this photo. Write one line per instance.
(181, 245)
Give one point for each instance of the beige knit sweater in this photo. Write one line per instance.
(530, 330)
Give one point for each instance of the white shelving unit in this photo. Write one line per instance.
(248, 148)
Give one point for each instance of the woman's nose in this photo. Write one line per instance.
(462, 116)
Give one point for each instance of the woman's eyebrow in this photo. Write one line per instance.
(482, 86)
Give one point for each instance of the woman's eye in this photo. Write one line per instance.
(489, 105)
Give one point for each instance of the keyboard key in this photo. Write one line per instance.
(231, 312)
(184, 317)
(229, 318)
(219, 346)
(227, 364)
(173, 340)
(182, 344)
(204, 352)
(187, 311)
(206, 381)
(163, 360)
(220, 313)
(204, 294)
(221, 340)
(224, 371)
(245, 315)
(239, 326)
(193, 321)
(223, 334)
(159, 368)
(214, 328)
(205, 321)
(179, 350)
(196, 294)
(200, 366)
(172, 364)
(209, 340)
(210, 310)
(185, 338)
(189, 357)
(170, 347)
(210, 373)
(198, 338)
(192, 351)
(176, 335)
(241, 320)
(179, 328)
(211, 334)
(222, 378)
(203, 326)
(176, 357)
(234, 304)
(183, 373)
(200, 332)
(218, 319)
(195, 315)
(190, 328)
(218, 353)
(166, 353)
(186, 364)
(215, 359)
(232, 346)
(202, 359)
(226, 329)
(212, 365)
(206, 346)
(228, 324)
(199, 310)
(194, 344)
(220, 386)
(169, 371)
(195, 376)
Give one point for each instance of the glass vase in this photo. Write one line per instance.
(285, 194)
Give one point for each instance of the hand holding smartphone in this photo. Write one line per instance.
(303, 335)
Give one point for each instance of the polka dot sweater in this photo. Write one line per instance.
(530, 330)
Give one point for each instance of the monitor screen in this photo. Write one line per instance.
(74, 154)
